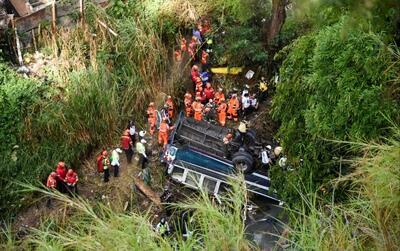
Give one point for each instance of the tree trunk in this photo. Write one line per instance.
(277, 20)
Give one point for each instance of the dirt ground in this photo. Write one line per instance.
(119, 193)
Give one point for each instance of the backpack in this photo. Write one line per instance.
(100, 167)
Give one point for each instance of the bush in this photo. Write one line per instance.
(333, 87)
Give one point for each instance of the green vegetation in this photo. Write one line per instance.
(339, 70)
(98, 227)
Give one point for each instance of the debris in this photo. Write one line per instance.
(147, 191)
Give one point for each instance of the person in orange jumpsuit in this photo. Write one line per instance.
(188, 104)
(183, 44)
(198, 109)
(193, 48)
(222, 112)
(219, 95)
(233, 107)
(151, 117)
(178, 55)
(204, 57)
(163, 132)
(170, 104)
(198, 85)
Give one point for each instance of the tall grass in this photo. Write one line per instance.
(97, 227)
(370, 220)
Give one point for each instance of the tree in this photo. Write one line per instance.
(274, 25)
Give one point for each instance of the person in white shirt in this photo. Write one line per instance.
(141, 150)
(246, 104)
(265, 159)
(115, 161)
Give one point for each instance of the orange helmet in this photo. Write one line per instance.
(151, 104)
(53, 174)
(188, 95)
(222, 100)
(61, 163)
(198, 98)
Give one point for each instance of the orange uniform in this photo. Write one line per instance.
(222, 113)
(218, 96)
(163, 133)
(170, 105)
(152, 117)
(178, 55)
(233, 107)
(188, 104)
(193, 48)
(183, 44)
(204, 57)
(198, 110)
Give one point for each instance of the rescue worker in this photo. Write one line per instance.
(163, 132)
(205, 76)
(265, 159)
(194, 73)
(52, 185)
(61, 172)
(106, 166)
(246, 104)
(115, 161)
(178, 55)
(142, 134)
(253, 102)
(222, 112)
(209, 91)
(163, 228)
(219, 95)
(141, 150)
(146, 176)
(204, 58)
(99, 160)
(151, 117)
(209, 111)
(132, 132)
(126, 145)
(170, 107)
(183, 44)
(188, 104)
(198, 109)
(233, 107)
(227, 140)
(193, 48)
(71, 179)
(263, 89)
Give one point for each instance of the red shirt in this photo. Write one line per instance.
(71, 178)
(195, 74)
(125, 142)
(51, 182)
(209, 92)
(61, 172)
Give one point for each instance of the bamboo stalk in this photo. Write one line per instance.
(108, 28)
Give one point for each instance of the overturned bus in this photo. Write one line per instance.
(197, 157)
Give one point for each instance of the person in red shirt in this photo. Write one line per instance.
(195, 73)
(61, 172)
(126, 145)
(209, 91)
(152, 117)
(52, 185)
(71, 179)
